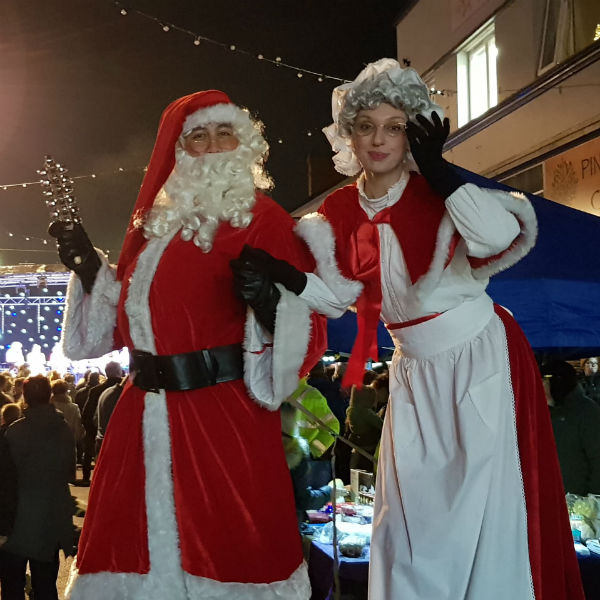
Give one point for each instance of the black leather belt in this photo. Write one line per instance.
(177, 372)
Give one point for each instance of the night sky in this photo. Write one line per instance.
(87, 85)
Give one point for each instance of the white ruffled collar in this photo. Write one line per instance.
(374, 205)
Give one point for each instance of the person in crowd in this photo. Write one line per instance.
(8, 486)
(83, 381)
(177, 503)
(43, 451)
(331, 390)
(467, 441)
(17, 389)
(381, 385)
(85, 450)
(90, 379)
(14, 354)
(576, 423)
(365, 426)
(88, 418)
(36, 360)
(9, 413)
(369, 376)
(53, 375)
(590, 379)
(297, 455)
(69, 379)
(23, 371)
(106, 405)
(61, 401)
(5, 389)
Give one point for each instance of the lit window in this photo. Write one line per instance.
(476, 75)
(558, 40)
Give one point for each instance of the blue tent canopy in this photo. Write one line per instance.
(554, 292)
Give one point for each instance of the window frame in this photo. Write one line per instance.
(484, 39)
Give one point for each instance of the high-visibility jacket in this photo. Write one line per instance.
(318, 439)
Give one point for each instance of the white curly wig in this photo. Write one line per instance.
(384, 81)
(202, 192)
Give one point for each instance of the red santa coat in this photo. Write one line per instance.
(429, 240)
(191, 496)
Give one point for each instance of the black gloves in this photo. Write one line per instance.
(426, 145)
(279, 271)
(254, 286)
(76, 252)
(254, 274)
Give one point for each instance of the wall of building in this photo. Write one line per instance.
(547, 124)
(434, 27)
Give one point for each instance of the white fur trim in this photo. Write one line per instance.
(517, 204)
(85, 337)
(130, 586)
(271, 373)
(218, 113)
(427, 283)
(316, 231)
(166, 578)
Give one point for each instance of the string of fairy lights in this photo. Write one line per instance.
(36, 239)
(198, 39)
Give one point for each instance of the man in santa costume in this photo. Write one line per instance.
(191, 497)
(469, 501)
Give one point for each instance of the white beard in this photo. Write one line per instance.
(202, 192)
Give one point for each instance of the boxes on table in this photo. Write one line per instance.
(361, 486)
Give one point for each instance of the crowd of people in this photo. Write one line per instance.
(42, 438)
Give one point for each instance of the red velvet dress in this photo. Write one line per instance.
(230, 487)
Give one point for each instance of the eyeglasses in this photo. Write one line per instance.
(200, 138)
(365, 128)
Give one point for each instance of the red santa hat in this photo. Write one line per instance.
(181, 116)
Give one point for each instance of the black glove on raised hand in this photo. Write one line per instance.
(255, 287)
(76, 252)
(426, 145)
(279, 271)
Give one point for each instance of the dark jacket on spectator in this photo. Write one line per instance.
(106, 404)
(299, 462)
(8, 488)
(576, 425)
(590, 385)
(43, 450)
(88, 415)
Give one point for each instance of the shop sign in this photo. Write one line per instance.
(573, 177)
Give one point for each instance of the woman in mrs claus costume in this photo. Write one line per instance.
(469, 501)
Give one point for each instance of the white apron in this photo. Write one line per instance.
(449, 441)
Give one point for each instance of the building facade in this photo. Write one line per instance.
(520, 82)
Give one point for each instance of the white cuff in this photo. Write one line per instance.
(271, 366)
(320, 298)
(90, 319)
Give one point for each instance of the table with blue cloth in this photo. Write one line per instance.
(354, 574)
